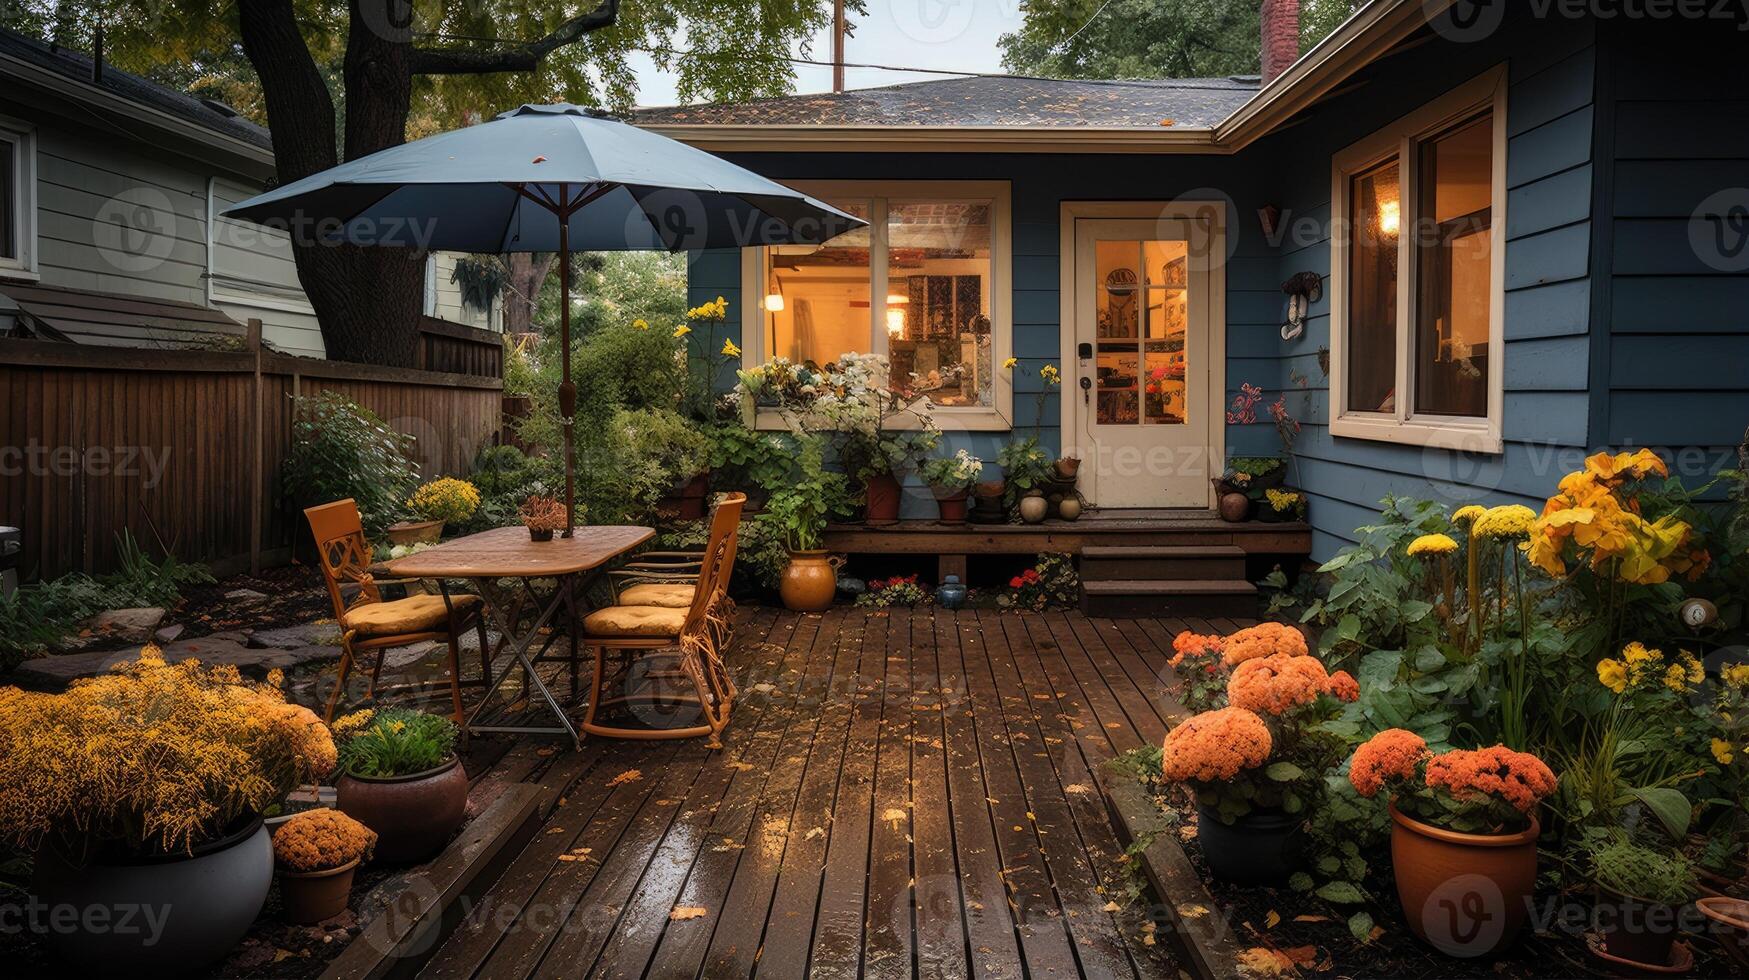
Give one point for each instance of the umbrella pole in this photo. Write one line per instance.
(567, 390)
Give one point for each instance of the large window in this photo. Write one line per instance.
(925, 284)
(1417, 275)
(17, 204)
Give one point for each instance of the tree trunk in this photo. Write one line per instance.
(528, 271)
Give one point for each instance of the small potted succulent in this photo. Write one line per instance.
(440, 502)
(1640, 894)
(318, 852)
(542, 516)
(399, 776)
(1474, 809)
(952, 478)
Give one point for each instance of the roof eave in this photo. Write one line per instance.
(753, 137)
(244, 157)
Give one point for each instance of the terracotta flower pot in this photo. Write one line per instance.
(1467, 895)
(1636, 929)
(414, 816)
(884, 495)
(687, 502)
(810, 580)
(415, 532)
(308, 897)
(1066, 467)
(1730, 917)
(1255, 849)
(952, 506)
(1235, 507)
(205, 901)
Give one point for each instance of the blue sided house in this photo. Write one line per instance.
(1461, 245)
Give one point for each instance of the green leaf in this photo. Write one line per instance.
(1348, 628)
(1429, 658)
(1671, 808)
(1341, 892)
(1360, 926)
(1299, 881)
(1329, 865)
(1414, 610)
(1284, 772)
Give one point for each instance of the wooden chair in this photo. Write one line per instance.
(666, 578)
(367, 622)
(645, 636)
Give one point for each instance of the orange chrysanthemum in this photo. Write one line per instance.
(1519, 779)
(1263, 640)
(1215, 746)
(1277, 684)
(1391, 754)
(1187, 642)
(322, 840)
(1344, 686)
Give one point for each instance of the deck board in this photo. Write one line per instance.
(902, 793)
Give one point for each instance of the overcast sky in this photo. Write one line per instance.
(954, 34)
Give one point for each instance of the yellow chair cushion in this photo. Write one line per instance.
(414, 614)
(634, 621)
(668, 595)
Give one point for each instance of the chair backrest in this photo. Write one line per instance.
(719, 557)
(342, 551)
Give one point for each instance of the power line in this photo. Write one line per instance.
(1064, 43)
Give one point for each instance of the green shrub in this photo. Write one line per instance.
(1628, 869)
(393, 742)
(341, 449)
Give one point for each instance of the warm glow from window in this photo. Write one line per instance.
(774, 302)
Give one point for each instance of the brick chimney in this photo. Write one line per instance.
(1281, 36)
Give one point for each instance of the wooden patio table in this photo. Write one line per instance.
(506, 565)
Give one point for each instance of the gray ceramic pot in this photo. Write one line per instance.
(160, 916)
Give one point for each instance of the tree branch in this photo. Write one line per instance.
(524, 57)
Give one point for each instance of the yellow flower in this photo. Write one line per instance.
(1691, 667)
(1432, 544)
(1050, 375)
(346, 724)
(729, 348)
(1008, 365)
(1469, 512)
(1506, 521)
(1736, 675)
(1722, 751)
(682, 330)
(276, 678)
(641, 324)
(1281, 501)
(1676, 679)
(1612, 674)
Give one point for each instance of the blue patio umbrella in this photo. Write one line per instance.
(546, 178)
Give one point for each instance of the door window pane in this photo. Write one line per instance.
(937, 313)
(9, 223)
(1375, 214)
(1452, 255)
(1141, 292)
(817, 298)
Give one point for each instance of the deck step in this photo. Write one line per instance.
(1169, 597)
(1112, 563)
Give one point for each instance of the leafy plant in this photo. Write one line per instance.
(900, 590)
(953, 474)
(647, 454)
(449, 500)
(745, 457)
(1050, 582)
(1629, 869)
(393, 742)
(1025, 466)
(341, 449)
(801, 510)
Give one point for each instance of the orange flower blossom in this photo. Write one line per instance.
(1263, 640)
(1215, 746)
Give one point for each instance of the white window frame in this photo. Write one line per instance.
(1400, 141)
(21, 137)
(996, 417)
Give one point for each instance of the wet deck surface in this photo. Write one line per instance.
(901, 793)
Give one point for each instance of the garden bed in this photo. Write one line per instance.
(1227, 930)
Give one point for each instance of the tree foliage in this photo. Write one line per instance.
(1151, 38)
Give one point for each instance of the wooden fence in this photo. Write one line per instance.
(185, 447)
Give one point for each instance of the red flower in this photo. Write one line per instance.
(1015, 582)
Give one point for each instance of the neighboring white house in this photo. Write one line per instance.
(110, 187)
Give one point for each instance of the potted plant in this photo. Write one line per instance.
(799, 514)
(318, 852)
(399, 776)
(1025, 469)
(440, 502)
(1281, 505)
(987, 505)
(1463, 835)
(952, 477)
(542, 516)
(1640, 892)
(143, 789)
(884, 460)
(1256, 765)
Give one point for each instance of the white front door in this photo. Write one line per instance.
(1143, 376)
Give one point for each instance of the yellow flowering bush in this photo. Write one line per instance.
(1595, 520)
(448, 500)
(151, 757)
(1431, 544)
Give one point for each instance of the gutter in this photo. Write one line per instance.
(102, 100)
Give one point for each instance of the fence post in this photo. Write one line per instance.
(256, 481)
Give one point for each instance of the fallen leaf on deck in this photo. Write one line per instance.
(1187, 832)
(1112, 906)
(894, 815)
(740, 766)
(1263, 962)
(815, 832)
(1190, 910)
(1075, 788)
(681, 913)
(1311, 918)
(629, 776)
(555, 830)
(764, 688)
(1272, 920)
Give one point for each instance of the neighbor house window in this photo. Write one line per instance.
(17, 199)
(1418, 277)
(925, 285)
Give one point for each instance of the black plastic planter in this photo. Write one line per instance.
(1256, 849)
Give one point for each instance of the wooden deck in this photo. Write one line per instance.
(903, 793)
